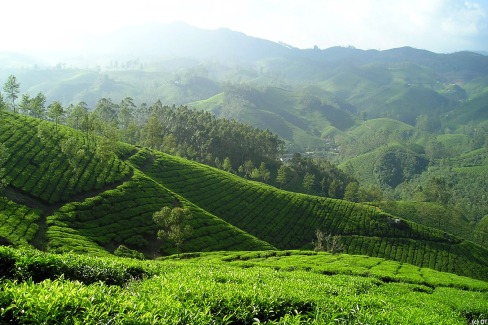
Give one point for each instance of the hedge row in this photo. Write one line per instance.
(17, 222)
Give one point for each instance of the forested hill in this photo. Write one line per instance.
(65, 195)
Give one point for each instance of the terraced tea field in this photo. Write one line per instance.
(288, 220)
(38, 167)
(87, 203)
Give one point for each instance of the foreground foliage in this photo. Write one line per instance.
(218, 288)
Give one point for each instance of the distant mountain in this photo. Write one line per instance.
(158, 41)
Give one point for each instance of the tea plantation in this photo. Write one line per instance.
(272, 287)
(242, 262)
(288, 220)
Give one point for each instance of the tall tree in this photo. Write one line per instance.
(283, 175)
(351, 193)
(126, 112)
(3, 105)
(227, 165)
(308, 181)
(76, 115)
(25, 104)
(247, 168)
(174, 225)
(264, 172)
(106, 111)
(56, 111)
(11, 88)
(38, 106)
(107, 142)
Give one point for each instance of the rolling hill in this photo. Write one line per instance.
(94, 203)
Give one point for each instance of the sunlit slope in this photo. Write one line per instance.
(298, 116)
(124, 216)
(89, 204)
(289, 220)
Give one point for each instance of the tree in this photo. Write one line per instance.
(25, 104)
(327, 243)
(74, 152)
(283, 175)
(438, 189)
(38, 106)
(308, 181)
(334, 189)
(173, 223)
(247, 167)
(106, 111)
(351, 193)
(434, 149)
(11, 88)
(56, 111)
(107, 142)
(227, 165)
(126, 112)
(3, 105)
(264, 173)
(76, 115)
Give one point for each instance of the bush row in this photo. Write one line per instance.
(17, 222)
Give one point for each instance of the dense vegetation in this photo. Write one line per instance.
(274, 287)
(289, 220)
(225, 207)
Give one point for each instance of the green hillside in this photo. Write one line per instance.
(109, 201)
(298, 116)
(288, 220)
(91, 204)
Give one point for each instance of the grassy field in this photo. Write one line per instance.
(271, 287)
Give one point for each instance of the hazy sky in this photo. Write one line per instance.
(436, 25)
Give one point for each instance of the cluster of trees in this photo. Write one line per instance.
(395, 166)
